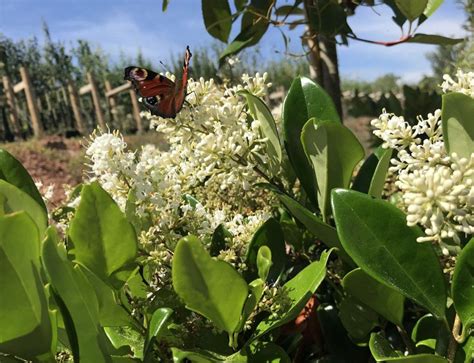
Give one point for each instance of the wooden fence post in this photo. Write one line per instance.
(74, 99)
(13, 114)
(32, 104)
(96, 100)
(112, 104)
(136, 111)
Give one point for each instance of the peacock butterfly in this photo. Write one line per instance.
(160, 94)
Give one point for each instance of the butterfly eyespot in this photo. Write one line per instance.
(152, 100)
(139, 74)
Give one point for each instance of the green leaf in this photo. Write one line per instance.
(299, 289)
(110, 313)
(253, 28)
(158, 322)
(13, 199)
(164, 5)
(333, 152)
(458, 128)
(269, 234)
(328, 18)
(431, 333)
(383, 352)
(465, 353)
(239, 4)
(24, 317)
(286, 10)
(371, 177)
(257, 288)
(304, 100)
(323, 231)
(219, 241)
(375, 234)
(217, 18)
(259, 111)
(462, 286)
(207, 285)
(336, 341)
(264, 262)
(432, 6)
(358, 319)
(77, 301)
(433, 39)
(14, 173)
(104, 241)
(380, 298)
(412, 9)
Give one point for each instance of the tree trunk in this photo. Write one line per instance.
(324, 67)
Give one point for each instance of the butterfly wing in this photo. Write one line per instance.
(160, 94)
(148, 83)
(182, 86)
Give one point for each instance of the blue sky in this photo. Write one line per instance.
(128, 25)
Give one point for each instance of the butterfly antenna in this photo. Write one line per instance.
(166, 67)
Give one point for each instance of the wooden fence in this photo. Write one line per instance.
(13, 121)
(72, 95)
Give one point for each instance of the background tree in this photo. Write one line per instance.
(323, 23)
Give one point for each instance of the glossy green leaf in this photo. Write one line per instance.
(157, 324)
(463, 286)
(358, 319)
(337, 344)
(333, 152)
(431, 333)
(217, 18)
(433, 39)
(299, 289)
(269, 234)
(125, 341)
(207, 285)
(260, 111)
(328, 18)
(380, 298)
(458, 128)
(104, 241)
(431, 7)
(257, 288)
(465, 351)
(110, 312)
(14, 173)
(77, 301)
(412, 9)
(323, 231)
(305, 100)
(264, 262)
(286, 10)
(26, 329)
(253, 28)
(375, 234)
(371, 177)
(383, 352)
(198, 356)
(13, 199)
(220, 238)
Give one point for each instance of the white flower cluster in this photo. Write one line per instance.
(463, 84)
(437, 189)
(212, 137)
(202, 181)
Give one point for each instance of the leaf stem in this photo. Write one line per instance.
(453, 340)
(406, 339)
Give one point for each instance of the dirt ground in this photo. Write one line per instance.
(58, 161)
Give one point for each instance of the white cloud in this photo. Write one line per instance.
(116, 33)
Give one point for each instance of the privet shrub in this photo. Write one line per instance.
(250, 239)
